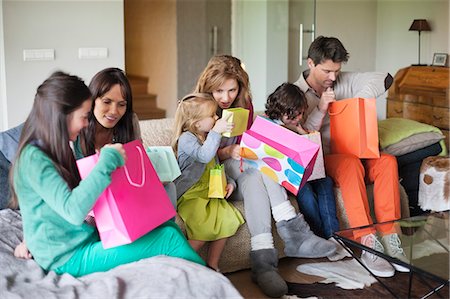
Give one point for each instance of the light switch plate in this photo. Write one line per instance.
(38, 54)
(92, 53)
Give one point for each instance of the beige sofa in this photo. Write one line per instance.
(236, 255)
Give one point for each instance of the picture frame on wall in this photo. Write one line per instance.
(439, 59)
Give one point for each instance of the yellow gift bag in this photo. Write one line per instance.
(239, 116)
(217, 182)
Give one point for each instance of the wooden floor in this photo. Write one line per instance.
(304, 286)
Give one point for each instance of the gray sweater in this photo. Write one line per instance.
(193, 157)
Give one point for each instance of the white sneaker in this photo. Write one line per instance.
(377, 265)
(340, 253)
(393, 247)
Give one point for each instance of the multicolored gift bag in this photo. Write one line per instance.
(239, 116)
(283, 155)
(164, 161)
(217, 182)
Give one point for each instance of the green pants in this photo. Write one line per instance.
(166, 239)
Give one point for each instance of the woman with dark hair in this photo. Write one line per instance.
(112, 118)
(53, 199)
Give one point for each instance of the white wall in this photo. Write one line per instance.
(63, 26)
(3, 109)
(260, 40)
(397, 47)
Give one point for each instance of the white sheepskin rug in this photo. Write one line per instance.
(347, 274)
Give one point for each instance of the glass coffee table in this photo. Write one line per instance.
(425, 241)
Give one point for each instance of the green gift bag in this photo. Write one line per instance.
(164, 161)
(217, 182)
(239, 116)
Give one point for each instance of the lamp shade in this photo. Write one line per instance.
(420, 25)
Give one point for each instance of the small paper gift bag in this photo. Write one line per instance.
(164, 161)
(283, 155)
(354, 127)
(217, 182)
(134, 203)
(319, 167)
(239, 116)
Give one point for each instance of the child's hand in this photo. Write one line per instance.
(21, 251)
(222, 125)
(301, 131)
(229, 188)
(118, 147)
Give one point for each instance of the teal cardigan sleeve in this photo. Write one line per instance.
(44, 179)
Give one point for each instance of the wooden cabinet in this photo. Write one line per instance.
(421, 93)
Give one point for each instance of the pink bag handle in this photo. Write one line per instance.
(143, 171)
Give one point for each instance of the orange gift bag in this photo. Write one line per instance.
(354, 127)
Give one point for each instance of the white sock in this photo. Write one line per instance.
(283, 211)
(262, 241)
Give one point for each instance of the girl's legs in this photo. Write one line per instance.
(196, 244)
(215, 251)
(166, 239)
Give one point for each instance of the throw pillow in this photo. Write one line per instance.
(393, 130)
(413, 143)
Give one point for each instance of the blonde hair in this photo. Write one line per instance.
(192, 108)
(221, 68)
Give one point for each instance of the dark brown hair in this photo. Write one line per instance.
(286, 99)
(327, 48)
(46, 125)
(100, 84)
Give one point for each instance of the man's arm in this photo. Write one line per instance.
(362, 85)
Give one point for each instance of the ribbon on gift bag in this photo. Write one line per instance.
(354, 127)
(217, 182)
(134, 203)
(283, 155)
(239, 116)
(164, 161)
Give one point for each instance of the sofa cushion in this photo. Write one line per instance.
(156, 131)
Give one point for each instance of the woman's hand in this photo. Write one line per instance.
(21, 251)
(234, 151)
(229, 188)
(118, 147)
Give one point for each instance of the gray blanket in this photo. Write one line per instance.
(157, 277)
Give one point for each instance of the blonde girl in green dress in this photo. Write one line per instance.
(197, 136)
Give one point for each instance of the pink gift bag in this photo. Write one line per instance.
(283, 155)
(134, 203)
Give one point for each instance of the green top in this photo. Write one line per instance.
(53, 214)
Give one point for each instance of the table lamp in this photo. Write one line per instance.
(419, 25)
